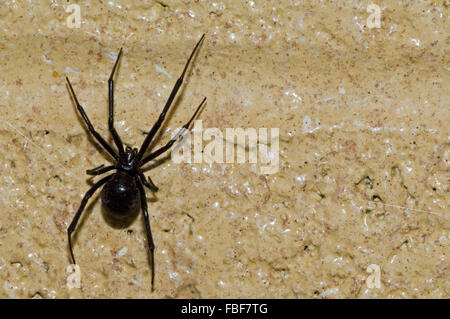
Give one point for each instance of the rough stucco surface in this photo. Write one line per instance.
(364, 148)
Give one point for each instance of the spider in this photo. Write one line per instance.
(123, 189)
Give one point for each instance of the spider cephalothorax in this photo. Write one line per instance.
(124, 189)
(129, 161)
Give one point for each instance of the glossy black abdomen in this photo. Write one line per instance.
(120, 195)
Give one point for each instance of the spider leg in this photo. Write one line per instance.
(170, 143)
(77, 216)
(113, 131)
(172, 95)
(100, 170)
(149, 184)
(100, 139)
(151, 245)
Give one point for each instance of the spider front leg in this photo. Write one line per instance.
(148, 183)
(170, 143)
(172, 95)
(148, 231)
(77, 216)
(112, 129)
(100, 139)
(100, 170)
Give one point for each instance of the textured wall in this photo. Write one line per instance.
(364, 148)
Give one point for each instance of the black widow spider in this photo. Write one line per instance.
(120, 195)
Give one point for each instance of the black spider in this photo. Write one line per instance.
(123, 189)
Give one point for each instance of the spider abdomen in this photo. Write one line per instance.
(120, 195)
